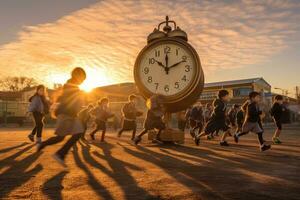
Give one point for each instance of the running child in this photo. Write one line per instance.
(154, 118)
(252, 121)
(130, 113)
(196, 119)
(276, 113)
(217, 120)
(69, 103)
(39, 107)
(101, 113)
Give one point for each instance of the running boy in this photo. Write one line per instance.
(217, 120)
(252, 121)
(130, 113)
(102, 114)
(196, 119)
(154, 118)
(69, 103)
(276, 112)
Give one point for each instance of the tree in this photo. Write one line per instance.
(17, 83)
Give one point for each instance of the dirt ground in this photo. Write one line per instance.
(119, 170)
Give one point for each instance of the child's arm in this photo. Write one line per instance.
(33, 106)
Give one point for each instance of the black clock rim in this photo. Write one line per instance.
(192, 87)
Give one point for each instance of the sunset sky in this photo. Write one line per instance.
(45, 39)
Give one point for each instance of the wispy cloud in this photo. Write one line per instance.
(106, 37)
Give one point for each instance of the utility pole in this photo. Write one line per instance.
(298, 94)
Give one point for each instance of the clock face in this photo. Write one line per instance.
(167, 68)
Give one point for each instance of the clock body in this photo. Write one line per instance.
(170, 67)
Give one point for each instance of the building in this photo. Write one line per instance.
(238, 90)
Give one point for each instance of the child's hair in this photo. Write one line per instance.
(78, 73)
(253, 94)
(102, 101)
(222, 93)
(36, 91)
(278, 97)
(132, 97)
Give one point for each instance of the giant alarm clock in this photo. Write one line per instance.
(168, 65)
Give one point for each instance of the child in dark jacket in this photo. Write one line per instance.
(196, 119)
(154, 118)
(252, 121)
(130, 113)
(217, 120)
(70, 102)
(39, 107)
(102, 114)
(276, 112)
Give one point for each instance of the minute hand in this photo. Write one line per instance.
(176, 64)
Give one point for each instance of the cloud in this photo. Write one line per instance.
(106, 37)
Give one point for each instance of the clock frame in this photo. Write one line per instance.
(190, 94)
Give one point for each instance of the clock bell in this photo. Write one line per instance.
(167, 31)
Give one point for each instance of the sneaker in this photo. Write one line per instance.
(197, 140)
(92, 136)
(236, 138)
(265, 147)
(137, 140)
(60, 160)
(31, 137)
(276, 141)
(224, 143)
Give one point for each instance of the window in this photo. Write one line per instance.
(241, 92)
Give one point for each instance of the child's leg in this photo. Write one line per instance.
(39, 129)
(103, 134)
(263, 146)
(139, 137)
(33, 132)
(277, 132)
(133, 132)
(144, 131)
(260, 138)
(61, 153)
(92, 134)
(120, 132)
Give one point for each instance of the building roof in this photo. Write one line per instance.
(235, 82)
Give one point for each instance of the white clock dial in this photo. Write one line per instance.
(167, 68)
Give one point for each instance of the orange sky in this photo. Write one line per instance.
(235, 39)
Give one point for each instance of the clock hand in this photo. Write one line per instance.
(160, 64)
(176, 64)
(167, 63)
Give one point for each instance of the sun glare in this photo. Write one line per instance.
(94, 79)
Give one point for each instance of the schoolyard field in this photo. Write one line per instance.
(117, 169)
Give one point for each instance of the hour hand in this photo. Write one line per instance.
(160, 64)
